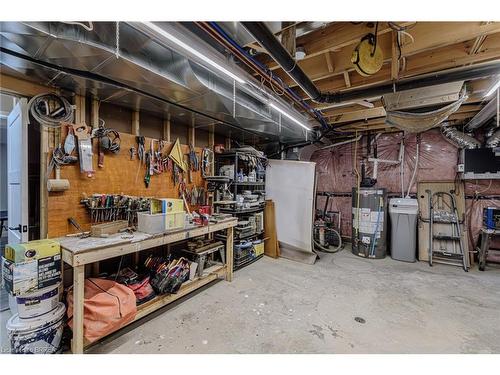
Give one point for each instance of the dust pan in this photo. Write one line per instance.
(176, 155)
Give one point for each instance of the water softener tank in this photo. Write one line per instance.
(369, 222)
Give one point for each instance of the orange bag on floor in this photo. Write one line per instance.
(107, 307)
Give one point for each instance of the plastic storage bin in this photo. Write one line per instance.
(175, 220)
(151, 224)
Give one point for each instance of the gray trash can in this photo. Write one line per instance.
(403, 213)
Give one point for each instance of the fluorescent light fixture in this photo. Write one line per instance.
(191, 50)
(287, 115)
(494, 88)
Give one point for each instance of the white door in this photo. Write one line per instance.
(17, 172)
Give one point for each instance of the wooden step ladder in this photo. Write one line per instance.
(443, 210)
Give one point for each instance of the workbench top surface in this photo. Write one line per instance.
(77, 245)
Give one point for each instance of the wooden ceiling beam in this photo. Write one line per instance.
(317, 70)
(363, 114)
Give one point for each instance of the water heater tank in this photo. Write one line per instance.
(369, 222)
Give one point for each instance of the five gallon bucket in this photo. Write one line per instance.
(35, 304)
(39, 335)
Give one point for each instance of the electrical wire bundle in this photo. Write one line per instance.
(50, 110)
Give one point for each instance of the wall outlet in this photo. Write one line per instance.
(460, 168)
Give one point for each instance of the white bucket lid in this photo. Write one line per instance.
(39, 292)
(18, 325)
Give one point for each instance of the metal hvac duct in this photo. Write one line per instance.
(484, 115)
(267, 40)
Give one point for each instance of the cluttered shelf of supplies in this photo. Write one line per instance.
(240, 191)
(78, 252)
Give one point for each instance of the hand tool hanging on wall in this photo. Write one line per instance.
(103, 207)
(82, 233)
(69, 142)
(132, 153)
(58, 159)
(84, 148)
(140, 147)
(194, 163)
(147, 177)
(109, 140)
(207, 160)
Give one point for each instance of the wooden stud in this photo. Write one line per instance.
(78, 298)
(227, 143)
(229, 253)
(94, 113)
(166, 128)
(329, 63)
(44, 195)
(136, 127)
(288, 37)
(80, 113)
(211, 136)
(192, 132)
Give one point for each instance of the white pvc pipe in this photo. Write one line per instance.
(414, 171)
(342, 143)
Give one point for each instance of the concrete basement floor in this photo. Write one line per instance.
(281, 306)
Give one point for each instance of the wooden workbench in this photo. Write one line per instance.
(77, 252)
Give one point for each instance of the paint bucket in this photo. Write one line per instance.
(37, 303)
(40, 335)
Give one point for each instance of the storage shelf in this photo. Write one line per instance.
(223, 237)
(248, 183)
(240, 212)
(244, 264)
(210, 274)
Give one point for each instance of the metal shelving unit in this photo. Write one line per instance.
(237, 158)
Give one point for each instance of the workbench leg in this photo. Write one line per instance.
(229, 254)
(78, 293)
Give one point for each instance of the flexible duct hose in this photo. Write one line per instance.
(459, 139)
(494, 140)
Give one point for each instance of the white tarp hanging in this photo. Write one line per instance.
(291, 185)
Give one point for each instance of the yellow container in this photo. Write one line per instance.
(258, 248)
(165, 205)
(31, 250)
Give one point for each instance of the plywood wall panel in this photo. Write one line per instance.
(120, 175)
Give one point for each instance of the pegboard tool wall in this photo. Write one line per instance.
(120, 175)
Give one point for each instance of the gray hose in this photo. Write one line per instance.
(50, 110)
(319, 247)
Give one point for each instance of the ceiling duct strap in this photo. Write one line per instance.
(418, 122)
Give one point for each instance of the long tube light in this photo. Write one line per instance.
(193, 51)
(287, 115)
(493, 88)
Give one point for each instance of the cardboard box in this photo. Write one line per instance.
(30, 266)
(31, 250)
